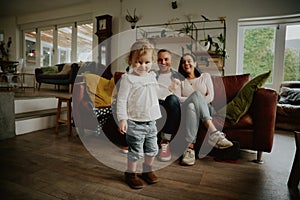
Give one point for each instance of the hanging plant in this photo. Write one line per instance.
(132, 19)
(187, 28)
(4, 49)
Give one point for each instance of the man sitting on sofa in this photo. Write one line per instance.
(165, 77)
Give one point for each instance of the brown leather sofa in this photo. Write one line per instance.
(254, 131)
(288, 112)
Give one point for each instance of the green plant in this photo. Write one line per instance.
(218, 48)
(187, 28)
(4, 51)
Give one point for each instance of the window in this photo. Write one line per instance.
(84, 42)
(259, 43)
(270, 44)
(64, 42)
(292, 53)
(58, 44)
(30, 48)
(46, 47)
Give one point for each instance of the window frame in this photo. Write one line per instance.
(281, 22)
(39, 27)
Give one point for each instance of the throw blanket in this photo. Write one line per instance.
(289, 96)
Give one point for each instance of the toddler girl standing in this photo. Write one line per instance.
(137, 110)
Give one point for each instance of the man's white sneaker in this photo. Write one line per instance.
(218, 140)
(188, 157)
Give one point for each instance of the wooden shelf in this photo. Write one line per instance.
(30, 61)
(170, 34)
(171, 40)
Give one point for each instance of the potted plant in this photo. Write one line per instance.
(4, 51)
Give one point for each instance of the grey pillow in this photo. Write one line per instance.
(289, 96)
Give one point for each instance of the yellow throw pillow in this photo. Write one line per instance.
(99, 89)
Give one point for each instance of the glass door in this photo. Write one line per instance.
(30, 49)
(46, 47)
(64, 42)
(258, 49)
(84, 42)
(292, 53)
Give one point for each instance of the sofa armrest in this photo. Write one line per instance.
(73, 73)
(78, 93)
(264, 114)
(38, 71)
(82, 107)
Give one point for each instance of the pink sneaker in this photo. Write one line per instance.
(164, 152)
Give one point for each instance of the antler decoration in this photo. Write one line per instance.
(132, 19)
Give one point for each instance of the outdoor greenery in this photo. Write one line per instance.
(259, 54)
(292, 65)
(259, 51)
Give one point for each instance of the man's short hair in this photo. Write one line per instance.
(164, 50)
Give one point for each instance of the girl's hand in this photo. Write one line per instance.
(123, 126)
(174, 85)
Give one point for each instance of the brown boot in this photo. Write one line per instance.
(148, 175)
(133, 180)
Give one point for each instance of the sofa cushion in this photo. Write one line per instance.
(245, 122)
(288, 110)
(50, 70)
(99, 89)
(66, 69)
(54, 76)
(227, 87)
(287, 117)
(240, 104)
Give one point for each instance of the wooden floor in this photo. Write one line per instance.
(43, 165)
(21, 93)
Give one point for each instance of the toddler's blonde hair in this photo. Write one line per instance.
(140, 48)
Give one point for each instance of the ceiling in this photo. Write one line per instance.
(23, 7)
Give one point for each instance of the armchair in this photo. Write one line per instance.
(62, 74)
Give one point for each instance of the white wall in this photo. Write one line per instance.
(9, 26)
(158, 11)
